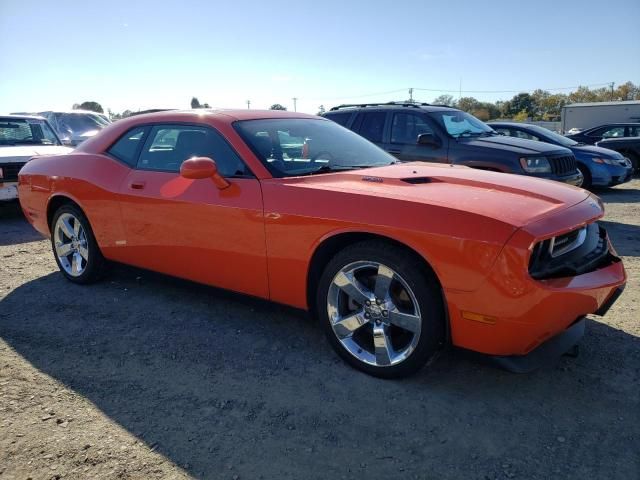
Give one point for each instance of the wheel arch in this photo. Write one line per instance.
(329, 246)
(57, 201)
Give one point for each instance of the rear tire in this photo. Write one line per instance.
(381, 310)
(74, 246)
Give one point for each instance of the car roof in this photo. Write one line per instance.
(391, 105)
(22, 117)
(617, 124)
(513, 124)
(229, 114)
(76, 111)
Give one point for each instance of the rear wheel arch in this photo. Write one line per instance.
(58, 201)
(330, 246)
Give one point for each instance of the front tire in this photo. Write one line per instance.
(74, 246)
(586, 174)
(381, 310)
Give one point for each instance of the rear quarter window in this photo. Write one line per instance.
(128, 146)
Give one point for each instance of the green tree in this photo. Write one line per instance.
(277, 106)
(321, 110)
(468, 104)
(195, 103)
(93, 106)
(627, 91)
(521, 102)
(447, 100)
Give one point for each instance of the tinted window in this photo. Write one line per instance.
(341, 118)
(504, 131)
(525, 135)
(615, 132)
(170, 145)
(634, 131)
(126, 148)
(372, 126)
(407, 126)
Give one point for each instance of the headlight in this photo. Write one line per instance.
(535, 164)
(608, 161)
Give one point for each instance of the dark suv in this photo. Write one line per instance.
(432, 133)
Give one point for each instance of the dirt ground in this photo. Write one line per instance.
(142, 376)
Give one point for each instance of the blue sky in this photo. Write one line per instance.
(145, 54)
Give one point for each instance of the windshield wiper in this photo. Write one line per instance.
(343, 168)
(471, 133)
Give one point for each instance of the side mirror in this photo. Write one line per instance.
(428, 139)
(197, 168)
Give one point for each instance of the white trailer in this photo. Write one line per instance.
(587, 115)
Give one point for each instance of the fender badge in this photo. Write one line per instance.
(372, 179)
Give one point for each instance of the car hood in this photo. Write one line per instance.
(517, 145)
(514, 199)
(594, 151)
(22, 153)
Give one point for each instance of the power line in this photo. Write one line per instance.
(510, 91)
(459, 91)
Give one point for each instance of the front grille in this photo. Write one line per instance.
(563, 165)
(574, 253)
(10, 171)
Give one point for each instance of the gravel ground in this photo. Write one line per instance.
(143, 376)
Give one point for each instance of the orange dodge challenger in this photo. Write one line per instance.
(395, 259)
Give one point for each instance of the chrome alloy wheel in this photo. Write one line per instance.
(70, 243)
(373, 313)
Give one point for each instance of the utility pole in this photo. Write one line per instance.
(612, 83)
(295, 104)
(411, 95)
(248, 104)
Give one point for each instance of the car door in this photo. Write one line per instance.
(191, 228)
(403, 141)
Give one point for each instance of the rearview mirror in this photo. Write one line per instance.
(428, 139)
(197, 168)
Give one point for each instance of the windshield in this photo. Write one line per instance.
(461, 124)
(299, 146)
(21, 131)
(78, 123)
(553, 136)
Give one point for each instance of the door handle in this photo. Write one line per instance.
(137, 185)
(394, 152)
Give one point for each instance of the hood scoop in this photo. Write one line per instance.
(417, 180)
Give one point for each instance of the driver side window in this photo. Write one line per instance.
(168, 146)
(406, 127)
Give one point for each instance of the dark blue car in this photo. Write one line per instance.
(600, 166)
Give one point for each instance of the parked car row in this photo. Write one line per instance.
(599, 166)
(396, 260)
(422, 132)
(73, 126)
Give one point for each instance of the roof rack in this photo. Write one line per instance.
(387, 104)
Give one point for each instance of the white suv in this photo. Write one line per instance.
(23, 137)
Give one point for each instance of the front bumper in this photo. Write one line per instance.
(8, 191)
(544, 354)
(547, 352)
(610, 175)
(512, 314)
